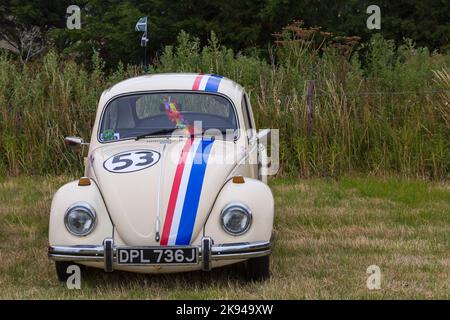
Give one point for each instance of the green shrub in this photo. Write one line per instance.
(387, 112)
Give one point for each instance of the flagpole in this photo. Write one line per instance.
(145, 59)
(141, 26)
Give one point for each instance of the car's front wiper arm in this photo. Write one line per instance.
(156, 132)
(222, 131)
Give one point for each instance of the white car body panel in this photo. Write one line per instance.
(129, 204)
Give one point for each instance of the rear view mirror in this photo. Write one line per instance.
(74, 142)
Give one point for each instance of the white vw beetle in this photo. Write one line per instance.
(172, 182)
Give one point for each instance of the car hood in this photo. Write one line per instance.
(175, 179)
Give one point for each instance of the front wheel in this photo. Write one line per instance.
(62, 269)
(258, 269)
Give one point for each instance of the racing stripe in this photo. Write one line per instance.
(182, 193)
(197, 81)
(174, 192)
(203, 82)
(213, 83)
(194, 189)
(208, 83)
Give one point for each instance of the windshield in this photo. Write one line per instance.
(148, 114)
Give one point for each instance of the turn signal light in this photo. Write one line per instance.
(84, 181)
(238, 179)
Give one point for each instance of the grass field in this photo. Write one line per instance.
(327, 234)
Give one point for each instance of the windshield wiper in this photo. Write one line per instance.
(156, 132)
(170, 130)
(222, 131)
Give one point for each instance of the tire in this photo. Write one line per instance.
(258, 269)
(61, 269)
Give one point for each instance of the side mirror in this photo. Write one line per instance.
(74, 142)
(263, 133)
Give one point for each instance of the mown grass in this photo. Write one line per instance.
(327, 233)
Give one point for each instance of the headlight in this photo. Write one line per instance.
(80, 219)
(236, 218)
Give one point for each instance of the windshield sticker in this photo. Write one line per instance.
(109, 135)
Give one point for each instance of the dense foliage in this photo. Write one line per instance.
(242, 25)
(390, 115)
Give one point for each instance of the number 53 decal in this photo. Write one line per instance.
(130, 161)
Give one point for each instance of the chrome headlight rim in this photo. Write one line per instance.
(241, 207)
(85, 207)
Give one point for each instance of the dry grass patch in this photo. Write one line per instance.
(327, 234)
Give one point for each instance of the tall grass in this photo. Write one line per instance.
(386, 113)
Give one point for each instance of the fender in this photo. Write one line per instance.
(67, 195)
(250, 193)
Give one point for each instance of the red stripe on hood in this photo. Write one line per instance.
(174, 193)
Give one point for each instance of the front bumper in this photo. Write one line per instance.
(208, 252)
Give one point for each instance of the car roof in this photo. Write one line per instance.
(176, 81)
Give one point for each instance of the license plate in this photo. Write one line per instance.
(157, 255)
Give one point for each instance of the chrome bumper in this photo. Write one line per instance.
(208, 252)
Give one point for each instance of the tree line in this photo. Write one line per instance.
(29, 27)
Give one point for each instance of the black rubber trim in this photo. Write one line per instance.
(108, 255)
(206, 254)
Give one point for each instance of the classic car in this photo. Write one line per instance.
(172, 182)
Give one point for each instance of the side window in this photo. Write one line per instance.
(247, 117)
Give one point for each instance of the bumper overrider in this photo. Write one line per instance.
(207, 252)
